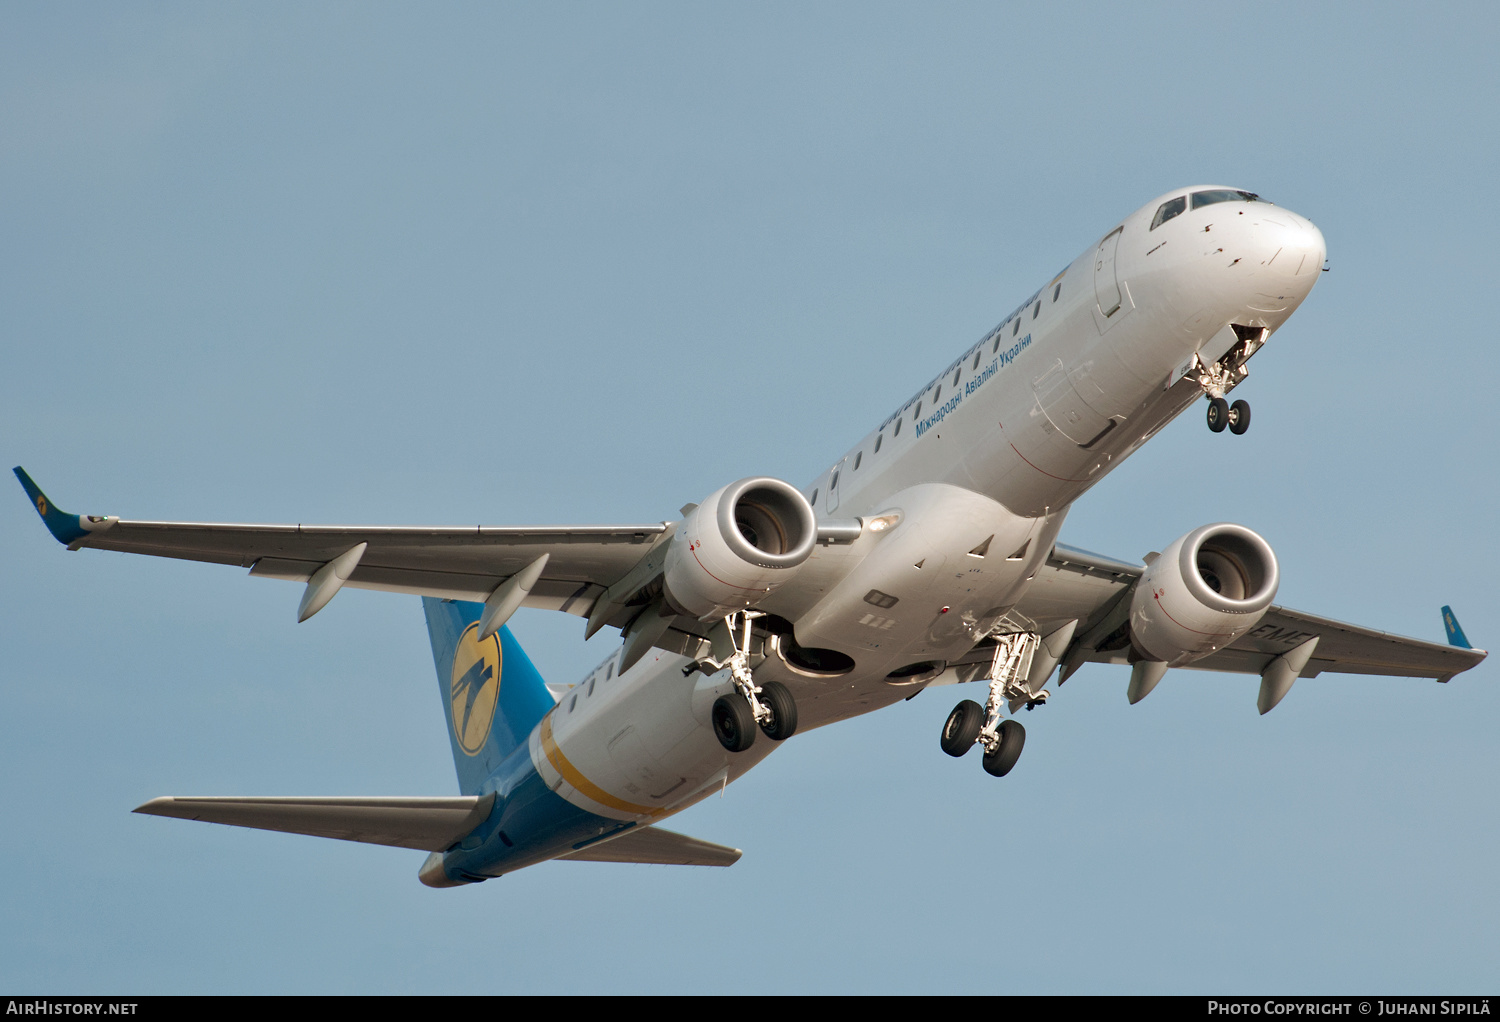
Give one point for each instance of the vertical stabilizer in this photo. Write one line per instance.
(492, 695)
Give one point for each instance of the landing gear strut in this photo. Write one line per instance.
(971, 724)
(736, 715)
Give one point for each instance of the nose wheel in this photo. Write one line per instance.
(1221, 413)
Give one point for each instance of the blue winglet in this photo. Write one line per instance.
(1455, 633)
(64, 527)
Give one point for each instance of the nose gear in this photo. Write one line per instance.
(1221, 377)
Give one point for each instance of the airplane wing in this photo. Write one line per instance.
(1095, 590)
(594, 571)
(426, 824)
(457, 563)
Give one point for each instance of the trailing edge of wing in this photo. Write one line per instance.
(426, 824)
(659, 847)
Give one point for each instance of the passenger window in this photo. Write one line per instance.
(833, 483)
(591, 684)
(610, 673)
(937, 393)
(918, 413)
(897, 430)
(815, 497)
(573, 703)
(1017, 328)
(857, 459)
(1169, 209)
(976, 361)
(1056, 291)
(1201, 199)
(1037, 310)
(996, 349)
(955, 375)
(878, 439)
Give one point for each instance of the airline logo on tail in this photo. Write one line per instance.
(475, 688)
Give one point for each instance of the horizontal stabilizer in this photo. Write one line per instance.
(426, 824)
(661, 847)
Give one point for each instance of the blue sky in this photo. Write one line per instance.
(586, 263)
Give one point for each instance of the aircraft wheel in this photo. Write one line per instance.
(962, 727)
(734, 724)
(783, 711)
(1239, 417)
(1012, 741)
(1218, 414)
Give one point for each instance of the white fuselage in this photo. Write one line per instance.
(974, 474)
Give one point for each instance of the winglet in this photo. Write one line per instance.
(1455, 633)
(64, 527)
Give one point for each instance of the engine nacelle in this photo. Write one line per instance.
(1202, 593)
(738, 546)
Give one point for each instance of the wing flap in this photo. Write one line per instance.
(425, 824)
(569, 595)
(659, 847)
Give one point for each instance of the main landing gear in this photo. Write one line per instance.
(971, 724)
(736, 715)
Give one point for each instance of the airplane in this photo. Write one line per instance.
(925, 555)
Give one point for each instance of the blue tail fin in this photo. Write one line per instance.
(492, 695)
(1455, 633)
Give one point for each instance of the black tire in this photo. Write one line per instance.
(734, 724)
(962, 727)
(1218, 414)
(783, 708)
(1012, 741)
(1239, 417)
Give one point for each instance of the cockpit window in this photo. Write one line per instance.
(1221, 195)
(1169, 209)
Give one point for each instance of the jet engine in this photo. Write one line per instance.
(1202, 593)
(736, 547)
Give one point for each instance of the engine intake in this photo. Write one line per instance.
(1202, 593)
(740, 544)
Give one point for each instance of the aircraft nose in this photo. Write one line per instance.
(1291, 249)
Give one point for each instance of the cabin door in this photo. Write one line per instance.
(1106, 286)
